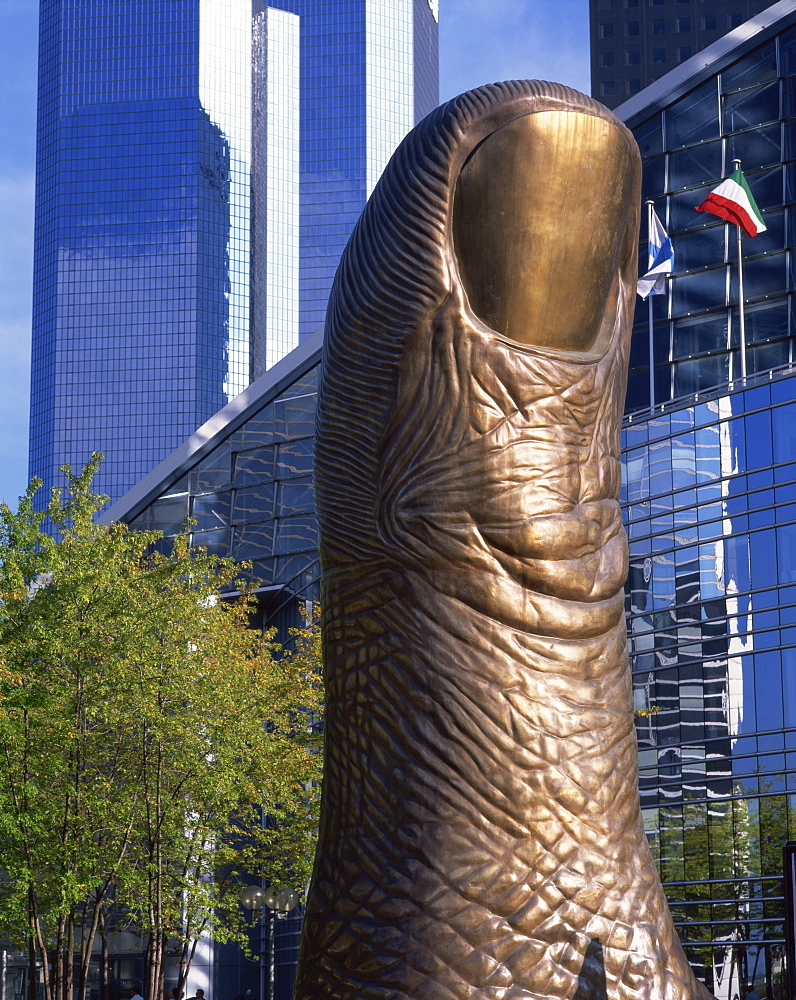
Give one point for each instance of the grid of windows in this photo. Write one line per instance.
(339, 89)
(617, 25)
(389, 86)
(746, 111)
(224, 85)
(251, 495)
(171, 259)
(708, 495)
(141, 279)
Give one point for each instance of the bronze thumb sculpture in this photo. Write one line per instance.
(481, 833)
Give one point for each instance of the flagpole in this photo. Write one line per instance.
(650, 203)
(742, 325)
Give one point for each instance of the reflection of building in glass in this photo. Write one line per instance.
(245, 478)
(709, 485)
(708, 496)
(736, 99)
(200, 166)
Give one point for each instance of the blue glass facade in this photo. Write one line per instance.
(709, 484)
(744, 108)
(708, 496)
(251, 494)
(141, 326)
(369, 71)
(183, 234)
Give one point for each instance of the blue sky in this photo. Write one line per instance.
(480, 41)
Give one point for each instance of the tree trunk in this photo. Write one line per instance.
(103, 930)
(67, 991)
(37, 946)
(32, 984)
(87, 943)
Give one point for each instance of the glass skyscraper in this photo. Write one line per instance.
(369, 72)
(200, 165)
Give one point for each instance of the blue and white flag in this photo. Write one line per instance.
(661, 260)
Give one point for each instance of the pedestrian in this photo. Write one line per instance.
(134, 994)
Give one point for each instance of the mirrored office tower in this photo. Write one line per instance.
(200, 164)
(369, 72)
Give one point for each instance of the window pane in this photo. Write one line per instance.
(653, 174)
(682, 209)
(762, 276)
(756, 148)
(787, 52)
(217, 542)
(295, 496)
(758, 67)
(774, 236)
(255, 541)
(295, 417)
(766, 320)
(751, 108)
(764, 357)
(699, 335)
(169, 515)
(254, 466)
(703, 290)
(691, 376)
(694, 165)
(254, 503)
(295, 534)
(649, 136)
(294, 458)
(694, 117)
(211, 510)
(214, 471)
(699, 248)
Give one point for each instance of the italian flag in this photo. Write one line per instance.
(732, 200)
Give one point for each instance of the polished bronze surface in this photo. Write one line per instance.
(522, 274)
(481, 833)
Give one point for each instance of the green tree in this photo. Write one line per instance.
(145, 730)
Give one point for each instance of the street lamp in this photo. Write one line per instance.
(278, 902)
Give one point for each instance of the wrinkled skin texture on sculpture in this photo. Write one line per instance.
(481, 832)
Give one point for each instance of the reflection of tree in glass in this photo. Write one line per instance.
(721, 864)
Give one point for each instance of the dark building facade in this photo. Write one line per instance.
(736, 100)
(709, 503)
(634, 42)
